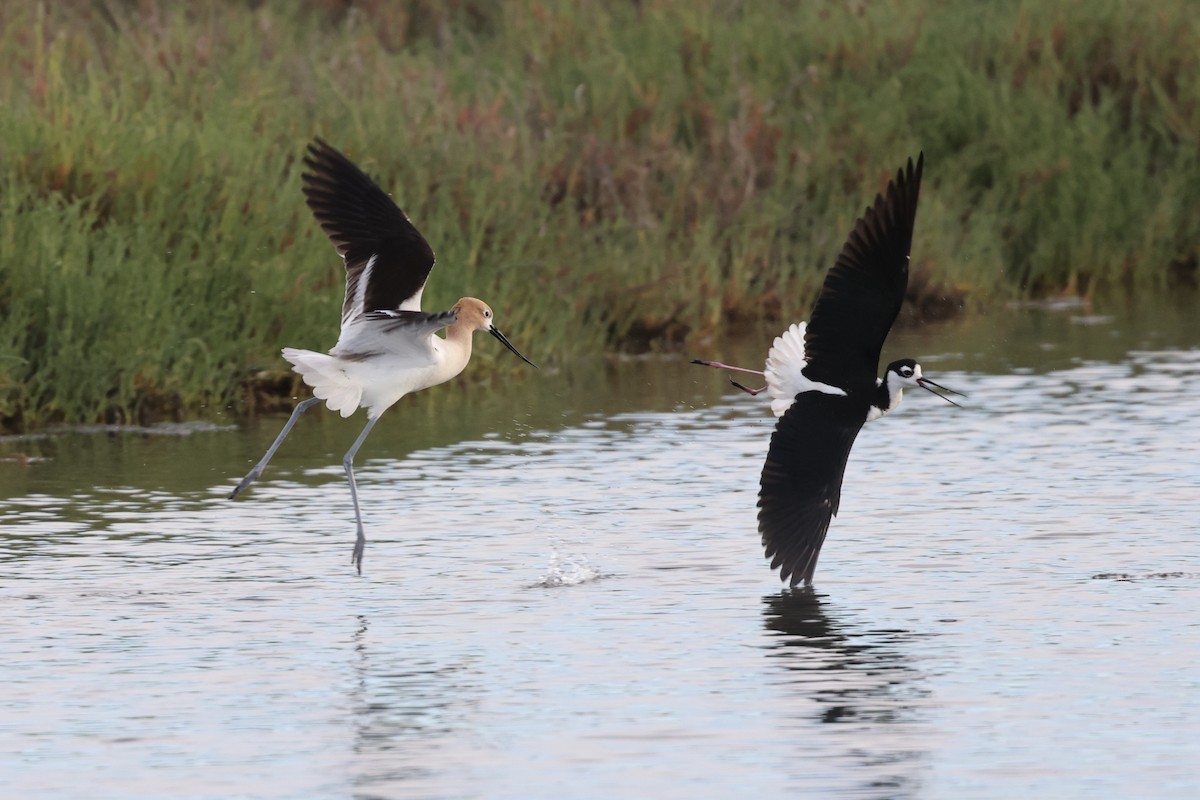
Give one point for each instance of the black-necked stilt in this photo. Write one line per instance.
(388, 347)
(822, 379)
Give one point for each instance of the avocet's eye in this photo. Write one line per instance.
(487, 312)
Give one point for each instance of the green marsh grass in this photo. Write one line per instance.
(608, 175)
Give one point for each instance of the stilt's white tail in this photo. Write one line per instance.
(327, 379)
(783, 370)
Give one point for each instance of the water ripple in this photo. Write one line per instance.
(582, 610)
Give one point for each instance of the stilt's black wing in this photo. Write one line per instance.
(801, 482)
(387, 258)
(863, 291)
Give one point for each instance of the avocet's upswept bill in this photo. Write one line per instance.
(388, 347)
(821, 378)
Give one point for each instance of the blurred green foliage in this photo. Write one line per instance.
(607, 175)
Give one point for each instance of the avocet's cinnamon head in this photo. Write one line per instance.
(477, 315)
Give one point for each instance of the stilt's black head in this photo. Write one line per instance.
(907, 372)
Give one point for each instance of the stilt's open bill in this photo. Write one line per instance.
(388, 347)
(925, 384)
(821, 378)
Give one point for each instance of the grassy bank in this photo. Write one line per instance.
(608, 175)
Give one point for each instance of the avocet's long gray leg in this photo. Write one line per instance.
(253, 474)
(348, 462)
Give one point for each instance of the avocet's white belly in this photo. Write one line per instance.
(375, 381)
(384, 381)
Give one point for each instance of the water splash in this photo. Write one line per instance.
(567, 571)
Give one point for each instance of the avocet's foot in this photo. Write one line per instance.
(360, 544)
(250, 478)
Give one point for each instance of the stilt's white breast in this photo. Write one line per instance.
(785, 370)
(874, 412)
(896, 386)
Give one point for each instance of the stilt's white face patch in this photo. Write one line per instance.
(900, 374)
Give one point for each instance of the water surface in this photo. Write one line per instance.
(563, 591)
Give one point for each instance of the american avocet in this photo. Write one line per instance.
(822, 384)
(388, 347)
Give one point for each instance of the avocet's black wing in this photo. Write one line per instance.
(387, 258)
(863, 291)
(801, 483)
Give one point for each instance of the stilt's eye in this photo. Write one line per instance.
(906, 372)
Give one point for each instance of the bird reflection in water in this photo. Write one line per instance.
(405, 709)
(857, 677)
